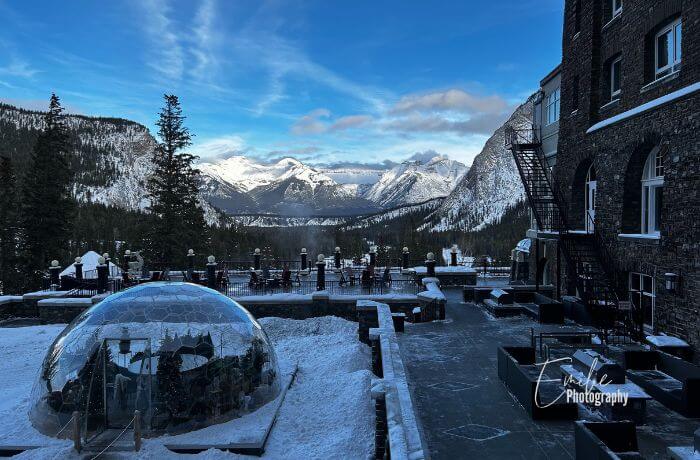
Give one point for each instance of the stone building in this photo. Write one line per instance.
(627, 173)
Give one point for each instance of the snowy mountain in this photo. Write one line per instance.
(489, 188)
(288, 187)
(415, 182)
(241, 185)
(111, 156)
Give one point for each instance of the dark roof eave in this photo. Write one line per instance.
(556, 71)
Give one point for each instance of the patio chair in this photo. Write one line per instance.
(386, 277)
(255, 282)
(350, 275)
(286, 277)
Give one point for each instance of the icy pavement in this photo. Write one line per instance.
(327, 412)
(465, 410)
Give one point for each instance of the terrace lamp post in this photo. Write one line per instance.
(321, 272)
(405, 258)
(430, 265)
(102, 274)
(78, 268)
(372, 256)
(190, 263)
(304, 257)
(453, 256)
(337, 258)
(256, 259)
(54, 271)
(211, 272)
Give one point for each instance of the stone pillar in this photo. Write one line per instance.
(430, 265)
(78, 268)
(321, 272)
(54, 271)
(211, 272)
(337, 257)
(107, 261)
(372, 256)
(190, 263)
(127, 259)
(453, 256)
(304, 257)
(256, 259)
(102, 275)
(405, 258)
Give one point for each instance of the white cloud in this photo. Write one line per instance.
(350, 121)
(220, 147)
(311, 123)
(18, 68)
(206, 60)
(167, 56)
(455, 100)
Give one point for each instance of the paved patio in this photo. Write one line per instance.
(465, 411)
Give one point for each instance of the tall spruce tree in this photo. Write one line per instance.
(178, 219)
(10, 280)
(47, 200)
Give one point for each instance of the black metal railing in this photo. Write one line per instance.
(587, 257)
(334, 287)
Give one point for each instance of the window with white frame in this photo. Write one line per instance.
(652, 192)
(667, 46)
(553, 106)
(616, 7)
(642, 292)
(615, 78)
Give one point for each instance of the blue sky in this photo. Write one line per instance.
(323, 81)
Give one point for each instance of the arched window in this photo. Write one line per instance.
(652, 192)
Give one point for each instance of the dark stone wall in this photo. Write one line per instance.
(618, 151)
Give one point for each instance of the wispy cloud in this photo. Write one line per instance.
(18, 68)
(220, 147)
(167, 57)
(206, 59)
(311, 123)
(451, 100)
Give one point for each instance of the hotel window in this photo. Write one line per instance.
(575, 94)
(615, 75)
(577, 17)
(652, 192)
(643, 296)
(667, 45)
(553, 106)
(616, 7)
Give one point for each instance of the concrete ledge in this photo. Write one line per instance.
(10, 299)
(39, 295)
(62, 310)
(402, 433)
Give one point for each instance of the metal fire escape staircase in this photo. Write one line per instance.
(599, 285)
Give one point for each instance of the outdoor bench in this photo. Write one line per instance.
(672, 381)
(517, 370)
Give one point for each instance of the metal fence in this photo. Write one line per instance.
(305, 287)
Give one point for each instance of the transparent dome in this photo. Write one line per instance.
(183, 355)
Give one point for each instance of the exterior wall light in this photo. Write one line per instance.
(671, 282)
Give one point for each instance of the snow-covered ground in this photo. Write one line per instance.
(327, 412)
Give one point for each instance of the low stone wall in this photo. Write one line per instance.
(432, 302)
(397, 434)
(62, 310)
(450, 276)
(321, 303)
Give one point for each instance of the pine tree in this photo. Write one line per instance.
(47, 200)
(178, 219)
(10, 280)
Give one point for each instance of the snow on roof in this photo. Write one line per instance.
(646, 107)
(90, 260)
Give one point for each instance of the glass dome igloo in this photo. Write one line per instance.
(183, 355)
